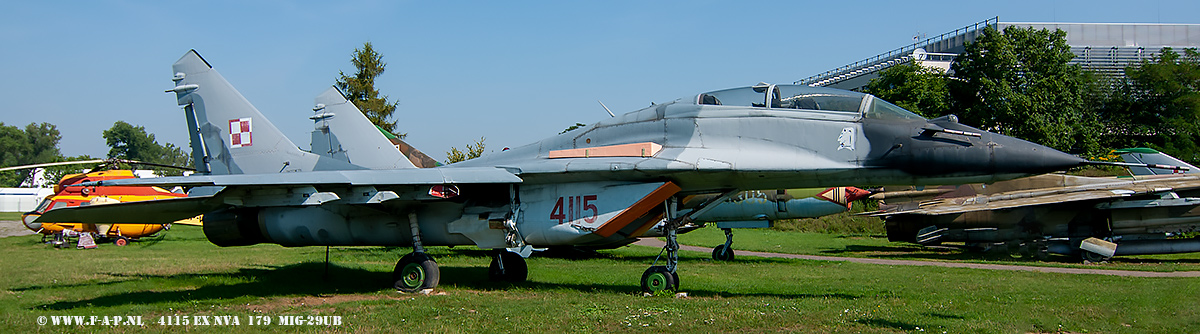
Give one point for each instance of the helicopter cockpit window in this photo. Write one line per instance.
(881, 109)
(58, 205)
(44, 205)
(786, 97)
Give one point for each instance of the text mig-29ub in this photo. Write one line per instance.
(596, 185)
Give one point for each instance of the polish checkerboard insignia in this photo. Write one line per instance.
(239, 132)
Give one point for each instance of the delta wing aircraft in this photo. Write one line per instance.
(1092, 217)
(600, 184)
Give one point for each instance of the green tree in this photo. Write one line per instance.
(573, 127)
(914, 87)
(37, 143)
(1159, 106)
(473, 151)
(1019, 83)
(360, 88)
(133, 143)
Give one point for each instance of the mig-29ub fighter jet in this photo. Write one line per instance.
(597, 185)
(341, 131)
(1092, 217)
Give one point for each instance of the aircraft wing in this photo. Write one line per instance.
(422, 176)
(985, 203)
(1008, 200)
(143, 212)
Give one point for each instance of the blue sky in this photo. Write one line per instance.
(511, 71)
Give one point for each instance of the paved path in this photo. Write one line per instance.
(10, 228)
(654, 242)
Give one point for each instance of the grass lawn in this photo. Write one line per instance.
(10, 216)
(182, 274)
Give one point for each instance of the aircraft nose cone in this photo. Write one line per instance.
(952, 149)
(28, 219)
(1019, 156)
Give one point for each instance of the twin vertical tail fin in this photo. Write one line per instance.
(342, 132)
(230, 136)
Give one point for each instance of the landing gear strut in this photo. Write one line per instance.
(660, 278)
(724, 252)
(507, 267)
(416, 271)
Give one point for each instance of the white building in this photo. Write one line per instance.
(1106, 48)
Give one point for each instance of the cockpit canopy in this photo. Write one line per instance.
(806, 98)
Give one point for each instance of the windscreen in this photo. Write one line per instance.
(881, 109)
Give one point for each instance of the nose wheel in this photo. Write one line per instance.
(665, 278)
(658, 278)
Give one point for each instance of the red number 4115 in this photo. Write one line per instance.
(571, 208)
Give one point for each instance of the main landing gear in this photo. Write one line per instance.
(416, 271)
(665, 278)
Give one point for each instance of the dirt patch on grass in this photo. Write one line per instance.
(273, 304)
(10, 228)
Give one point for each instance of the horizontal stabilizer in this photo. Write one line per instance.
(143, 212)
(1154, 158)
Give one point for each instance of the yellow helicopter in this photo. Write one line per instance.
(66, 195)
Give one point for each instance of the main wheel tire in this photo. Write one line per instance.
(722, 253)
(121, 241)
(1042, 253)
(515, 269)
(415, 272)
(657, 278)
(1093, 257)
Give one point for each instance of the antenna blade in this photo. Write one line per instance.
(610, 113)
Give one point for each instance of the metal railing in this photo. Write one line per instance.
(890, 58)
(1110, 61)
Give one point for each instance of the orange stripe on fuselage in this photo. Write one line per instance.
(647, 149)
(638, 209)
